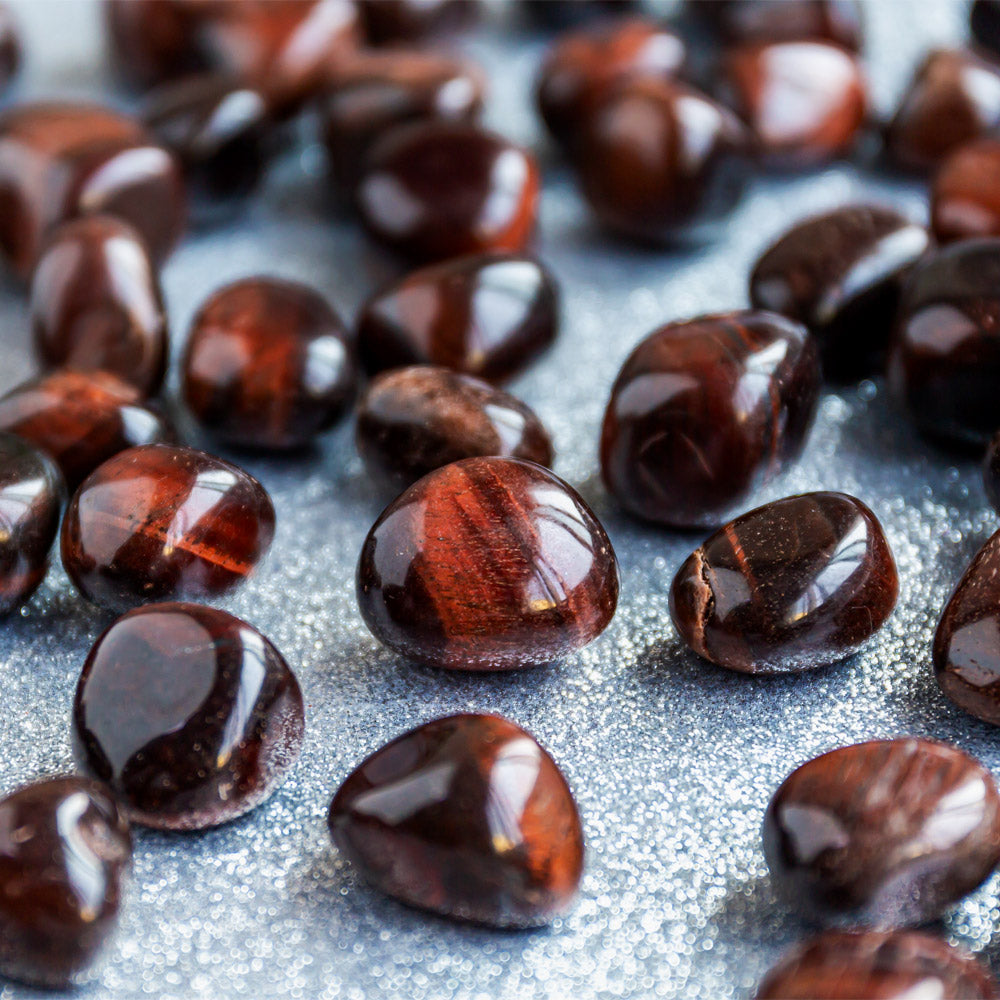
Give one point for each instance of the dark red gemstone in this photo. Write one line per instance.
(739, 21)
(484, 827)
(58, 161)
(31, 495)
(804, 101)
(796, 584)
(953, 98)
(64, 852)
(80, 419)
(437, 189)
(96, 303)
(877, 965)
(389, 22)
(412, 421)
(887, 833)
(189, 714)
(163, 522)
(840, 274)
(965, 197)
(375, 91)
(581, 68)
(10, 47)
(705, 412)
(944, 360)
(488, 315)
(984, 22)
(487, 564)
(267, 364)
(659, 160)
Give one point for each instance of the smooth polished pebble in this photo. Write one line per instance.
(738, 21)
(965, 195)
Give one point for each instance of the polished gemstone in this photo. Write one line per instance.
(886, 833)
(488, 315)
(189, 714)
(705, 412)
(877, 965)
(389, 22)
(64, 852)
(953, 98)
(96, 303)
(804, 101)
(840, 274)
(487, 564)
(583, 66)
(437, 189)
(984, 22)
(267, 364)
(796, 584)
(944, 359)
(162, 522)
(10, 47)
(412, 421)
(965, 197)
(659, 160)
(739, 21)
(31, 495)
(80, 419)
(465, 816)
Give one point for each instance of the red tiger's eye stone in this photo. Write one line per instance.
(437, 189)
(489, 832)
(267, 364)
(390, 22)
(64, 852)
(704, 412)
(739, 21)
(487, 564)
(163, 522)
(886, 833)
(965, 197)
(189, 714)
(96, 303)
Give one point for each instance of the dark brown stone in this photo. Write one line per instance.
(10, 47)
(738, 21)
(389, 22)
(965, 197)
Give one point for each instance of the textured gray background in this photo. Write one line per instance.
(672, 761)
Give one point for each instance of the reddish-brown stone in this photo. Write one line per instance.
(965, 197)
(96, 303)
(738, 21)
(796, 584)
(389, 22)
(189, 714)
(31, 495)
(705, 412)
(887, 833)
(80, 419)
(267, 364)
(877, 965)
(10, 47)
(437, 189)
(804, 101)
(162, 522)
(487, 564)
(488, 832)
(64, 852)
(414, 420)
(488, 315)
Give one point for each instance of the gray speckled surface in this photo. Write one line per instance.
(672, 761)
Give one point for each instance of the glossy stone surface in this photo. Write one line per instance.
(96, 303)
(659, 160)
(189, 714)
(487, 564)
(80, 419)
(840, 274)
(10, 47)
(965, 196)
(162, 522)
(582, 66)
(31, 495)
(877, 965)
(739, 21)
(61, 160)
(388, 22)
(483, 826)
(64, 852)
(376, 91)
(412, 421)
(705, 412)
(885, 834)
(796, 584)
(437, 189)
(953, 98)
(984, 22)
(267, 364)
(804, 101)
(944, 360)
(488, 315)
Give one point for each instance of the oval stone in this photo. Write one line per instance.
(965, 203)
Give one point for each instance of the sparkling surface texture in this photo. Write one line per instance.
(672, 762)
